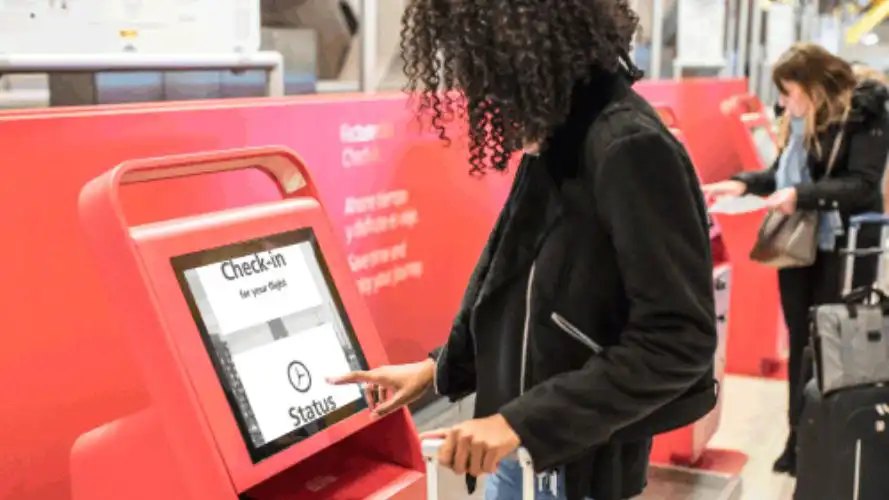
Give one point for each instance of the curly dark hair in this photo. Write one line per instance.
(515, 63)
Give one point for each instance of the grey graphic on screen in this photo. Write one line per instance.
(231, 373)
(224, 354)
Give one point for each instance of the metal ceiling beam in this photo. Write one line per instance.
(868, 21)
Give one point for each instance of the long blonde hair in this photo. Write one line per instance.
(828, 82)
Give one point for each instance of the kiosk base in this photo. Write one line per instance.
(773, 368)
(688, 445)
(343, 478)
(678, 483)
(377, 462)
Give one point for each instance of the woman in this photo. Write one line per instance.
(588, 324)
(822, 100)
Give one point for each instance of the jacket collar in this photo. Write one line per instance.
(564, 148)
(868, 102)
(536, 201)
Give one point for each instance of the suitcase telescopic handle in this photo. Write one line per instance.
(852, 252)
(430, 449)
(431, 446)
(872, 218)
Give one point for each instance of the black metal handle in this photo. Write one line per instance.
(862, 294)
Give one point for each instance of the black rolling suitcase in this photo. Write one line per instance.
(843, 445)
(842, 440)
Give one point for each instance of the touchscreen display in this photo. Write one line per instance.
(275, 329)
(765, 146)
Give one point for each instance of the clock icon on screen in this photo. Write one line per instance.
(299, 376)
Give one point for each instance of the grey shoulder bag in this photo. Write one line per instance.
(792, 240)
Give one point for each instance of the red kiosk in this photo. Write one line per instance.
(757, 342)
(688, 446)
(750, 125)
(236, 318)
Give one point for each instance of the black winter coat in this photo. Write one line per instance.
(593, 298)
(853, 186)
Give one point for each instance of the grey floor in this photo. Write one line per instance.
(753, 422)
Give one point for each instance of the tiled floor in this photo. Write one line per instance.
(753, 422)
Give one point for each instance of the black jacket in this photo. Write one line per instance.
(853, 186)
(594, 295)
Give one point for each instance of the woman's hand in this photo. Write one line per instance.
(725, 189)
(783, 201)
(388, 388)
(476, 446)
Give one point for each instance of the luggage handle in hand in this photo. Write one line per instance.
(430, 449)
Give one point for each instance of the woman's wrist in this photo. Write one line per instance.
(428, 371)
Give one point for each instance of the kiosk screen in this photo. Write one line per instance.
(275, 329)
(765, 145)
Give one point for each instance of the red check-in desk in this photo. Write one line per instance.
(688, 446)
(236, 319)
(758, 341)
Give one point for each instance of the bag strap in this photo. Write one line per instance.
(834, 152)
(837, 142)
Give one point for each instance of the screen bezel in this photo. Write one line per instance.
(192, 260)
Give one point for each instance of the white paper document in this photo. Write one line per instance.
(738, 205)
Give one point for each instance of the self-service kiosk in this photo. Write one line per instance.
(751, 127)
(758, 341)
(236, 320)
(687, 446)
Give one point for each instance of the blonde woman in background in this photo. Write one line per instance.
(822, 100)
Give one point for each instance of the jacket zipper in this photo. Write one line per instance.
(575, 333)
(545, 480)
(435, 373)
(526, 330)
